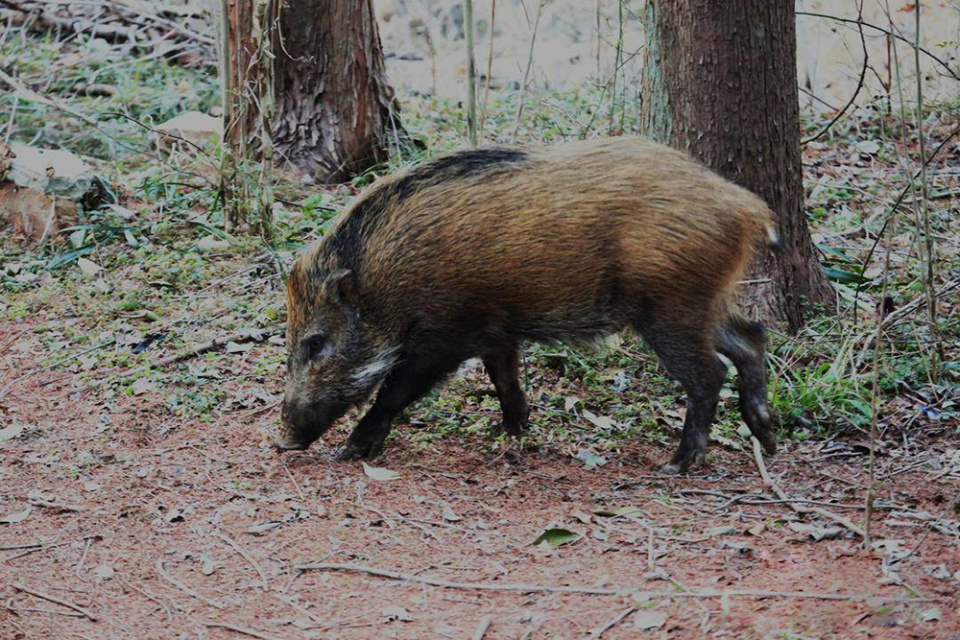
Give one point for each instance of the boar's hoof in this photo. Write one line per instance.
(769, 442)
(681, 465)
(360, 451)
(512, 429)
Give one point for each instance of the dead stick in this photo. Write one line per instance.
(246, 556)
(599, 631)
(482, 627)
(27, 545)
(187, 590)
(598, 591)
(240, 630)
(829, 515)
(197, 350)
(54, 599)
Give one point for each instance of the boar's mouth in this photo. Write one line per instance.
(301, 425)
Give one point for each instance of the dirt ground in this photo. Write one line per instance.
(198, 530)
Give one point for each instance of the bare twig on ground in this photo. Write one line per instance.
(296, 484)
(54, 599)
(758, 456)
(216, 604)
(83, 558)
(154, 599)
(599, 631)
(26, 545)
(246, 556)
(55, 506)
(241, 336)
(241, 630)
(482, 627)
(598, 591)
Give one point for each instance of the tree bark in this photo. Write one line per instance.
(720, 82)
(335, 112)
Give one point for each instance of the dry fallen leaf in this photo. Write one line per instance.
(103, 571)
(397, 613)
(11, 432)
(16, 516)
(143, 385)
(88, 267)
(646, 620)
(380, 474)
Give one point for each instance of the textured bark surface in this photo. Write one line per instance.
(335, 110)
(721, 83)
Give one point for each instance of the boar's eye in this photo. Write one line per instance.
(316, 346)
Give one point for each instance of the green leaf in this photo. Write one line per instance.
(842, 276)
(556, 537)
(69, 256)
(620, 513)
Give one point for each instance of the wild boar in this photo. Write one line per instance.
(474, 253)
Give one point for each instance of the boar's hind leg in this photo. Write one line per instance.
(503, 367)
(744, 343)
(404, 385)
(688, 354)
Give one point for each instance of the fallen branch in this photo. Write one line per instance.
(241, 336)
(240, 630)
(246, 556)
(216, 604)
(55, 600)
(599, 631)
(482, 627)
(599, 591)
(767, 480)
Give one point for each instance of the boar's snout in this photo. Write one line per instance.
(300, 425)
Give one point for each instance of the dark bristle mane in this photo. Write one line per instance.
(346, 243)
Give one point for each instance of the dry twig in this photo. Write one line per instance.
(482, 627)
(246, 556)
(216, 604)
(55, 600)
(829, 515)
(599, 591)
(240, 630)
(610, 624)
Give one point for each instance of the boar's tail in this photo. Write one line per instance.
(774, 241)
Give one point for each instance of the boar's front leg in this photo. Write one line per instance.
(408, 382)
(503, 367)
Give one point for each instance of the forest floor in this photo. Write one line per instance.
(199, 529)
(142, 363)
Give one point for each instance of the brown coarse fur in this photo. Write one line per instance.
(494, 247)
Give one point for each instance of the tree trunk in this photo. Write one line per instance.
(720, 82)
(334, 112)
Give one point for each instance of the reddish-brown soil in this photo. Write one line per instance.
(128, 501)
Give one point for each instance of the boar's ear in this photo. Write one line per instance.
(341, 287)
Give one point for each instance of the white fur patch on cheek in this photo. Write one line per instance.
(375, 368)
